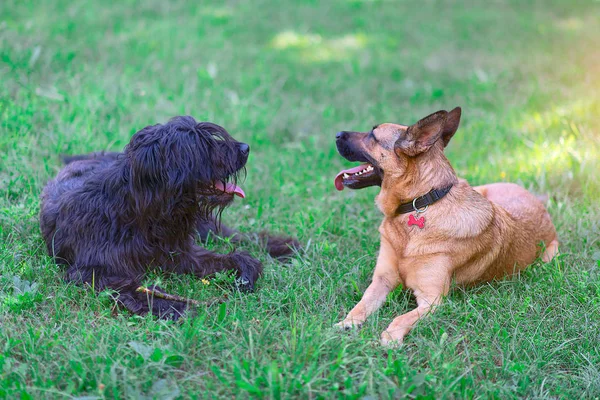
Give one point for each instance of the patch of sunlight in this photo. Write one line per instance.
(217, 12)
(285, 40)
(313, 47)
(567, 165)
(370, 1)
(563, 117)
(562, 148)
(572, 24)
(560, 154)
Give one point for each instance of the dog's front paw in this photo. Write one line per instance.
(249, 270)
(348, 324)
(391, 339)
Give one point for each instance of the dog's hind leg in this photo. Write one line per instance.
(127, 293)
(202, 263)
(279, 247)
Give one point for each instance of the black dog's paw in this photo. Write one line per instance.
(168, 309)
(280, 247)
(141, 303)
(249, 270)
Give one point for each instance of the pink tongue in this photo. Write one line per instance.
(230, 188)
(340, 177)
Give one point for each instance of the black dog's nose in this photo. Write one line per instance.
(244, 148)
(341, 135)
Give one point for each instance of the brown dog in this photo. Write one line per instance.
(436, 227)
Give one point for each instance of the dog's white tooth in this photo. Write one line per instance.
(346, 176)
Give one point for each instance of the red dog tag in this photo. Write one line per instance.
(414, 221)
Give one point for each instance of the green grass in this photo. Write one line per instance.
(285, 76)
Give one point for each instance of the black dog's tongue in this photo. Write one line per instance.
(230, 188)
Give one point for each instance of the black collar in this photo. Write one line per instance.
(423, 201)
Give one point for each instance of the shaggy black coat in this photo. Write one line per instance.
(111, 216)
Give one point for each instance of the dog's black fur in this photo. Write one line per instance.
(112, 216)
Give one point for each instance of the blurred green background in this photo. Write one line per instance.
(285, 76)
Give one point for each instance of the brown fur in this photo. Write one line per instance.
(471, 235)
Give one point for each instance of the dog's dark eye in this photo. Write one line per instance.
(372, 136)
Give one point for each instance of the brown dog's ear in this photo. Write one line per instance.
(451, 125)
(422, 135)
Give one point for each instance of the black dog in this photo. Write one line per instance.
(111, 216)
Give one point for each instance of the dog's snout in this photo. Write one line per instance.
(244, 148)
(341, 135)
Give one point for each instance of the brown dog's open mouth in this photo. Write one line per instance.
(357, 178)
(230, 188)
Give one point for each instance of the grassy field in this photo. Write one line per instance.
(285, 76)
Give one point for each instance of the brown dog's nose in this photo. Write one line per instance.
(341, 135)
